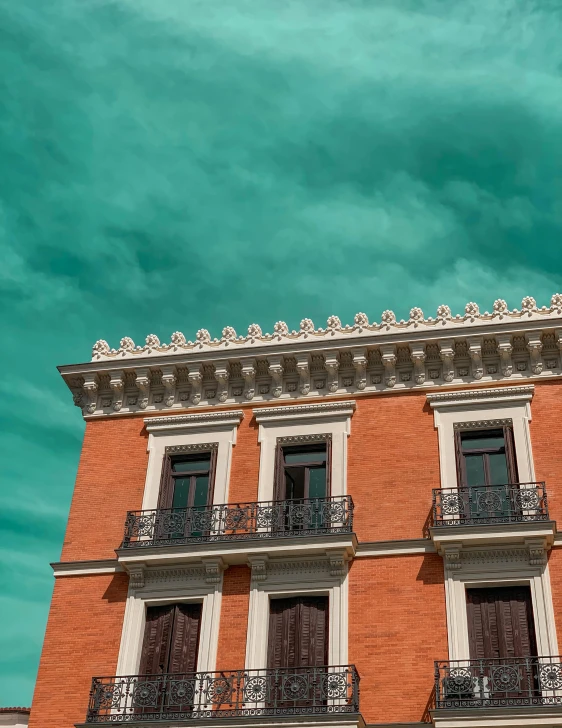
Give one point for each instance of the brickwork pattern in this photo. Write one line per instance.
(81, 641)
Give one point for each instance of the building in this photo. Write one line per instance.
(14, 717)
(263, 523)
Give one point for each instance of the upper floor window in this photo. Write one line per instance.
(302, 471)
(486, 457)
(187, 480)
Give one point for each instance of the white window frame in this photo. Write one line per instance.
(503, 568)
(167, 591)
(483, 407)
(211, 428)
(292, 579)
(332, 418)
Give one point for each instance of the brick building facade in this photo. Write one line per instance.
(262, 524)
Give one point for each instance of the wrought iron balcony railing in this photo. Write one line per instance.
(509, 682)
(515, 503)
(182, 697)
(235, 521)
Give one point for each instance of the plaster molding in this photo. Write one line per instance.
(321, 409)
(198, 447)
(485, 348)
(469, 396)
(228, 418)
(482, 424)
(304, 439)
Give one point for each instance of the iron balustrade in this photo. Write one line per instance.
(498, 682)
(511, 503)
(182, 697)
(267, 519)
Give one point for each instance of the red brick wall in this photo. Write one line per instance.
(231, 653)
(81, 641)
(110, 482)
(546, 440)
(397, 628)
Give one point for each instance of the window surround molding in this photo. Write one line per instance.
(304, 423)
(500, 567)
(157, 586)
(191, 433)
(478, 409)
(276, 579)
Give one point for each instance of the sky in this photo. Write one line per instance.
(182, 164)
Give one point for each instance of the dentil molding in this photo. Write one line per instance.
(391, 356)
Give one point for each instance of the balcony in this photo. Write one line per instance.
(267, 527)
(477, 515)
(182, 698)
(520, 691)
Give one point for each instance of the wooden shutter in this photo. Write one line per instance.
(212, 473)
(166, 495)
(461, 469)
(185, 638)
(156, 643)
(328, 466)
(500, 623)
(298, 632)
(510, 454)
(279, 490)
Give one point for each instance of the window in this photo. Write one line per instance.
(302, 472)
(187, 480)
(486, 457)
(171, 639)
(297, 641)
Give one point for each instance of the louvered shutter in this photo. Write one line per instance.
(510, 454)
(185, 638)
(166, 495)
(461, 469)
(156, 642)
(328, 466)
(278, 637)
(279, 488)
(212, 473)
(298, 632)
(500, 623)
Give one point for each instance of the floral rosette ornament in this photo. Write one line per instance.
(127, 344)
(254, 331)
(500, 306)
(361, 319)
(228, 333)
(281, 328)
(471, 310)
(444, 313)
(416, 315)
(100, 348)
(152, 341)
(334, 323)
(528, 304)
(203, 336)
(307, 326)
(388, 317)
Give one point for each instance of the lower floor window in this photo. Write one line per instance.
(171, 639)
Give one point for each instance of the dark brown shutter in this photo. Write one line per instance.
(328, 466)
(298, 632)
(461, 471)
(166, 495)
(185, 638)
(156, 643)
(500, 623)
(510, 454)
(279, 489)
(212, 473)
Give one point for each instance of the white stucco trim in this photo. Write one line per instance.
(480, 406)
(286, 579)
(179, 586)
(315, 419)
(499, 569)
(196, 429)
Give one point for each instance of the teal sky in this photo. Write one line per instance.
(177, 164)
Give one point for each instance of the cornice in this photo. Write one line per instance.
(337, 361)
(497, 394)
(319, 409)
(231, 418)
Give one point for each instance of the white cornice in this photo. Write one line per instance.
(230, 418)
(486, 349)
(464, 397)
(86, 568)
(330, 410)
